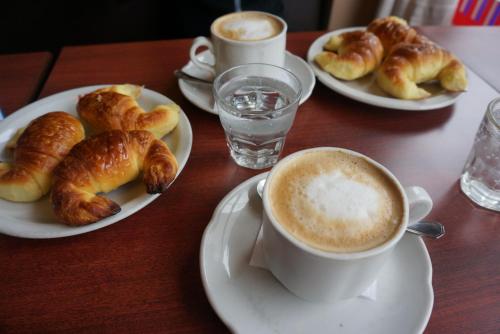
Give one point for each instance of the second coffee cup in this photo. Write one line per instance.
(242, 38)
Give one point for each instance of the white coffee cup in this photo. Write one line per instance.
(258, 37)
(326, 276)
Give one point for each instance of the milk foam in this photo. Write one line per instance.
(249, 29)
(339, 197)
(335, 201)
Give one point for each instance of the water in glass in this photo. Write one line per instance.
(256, 113)
(480, 180)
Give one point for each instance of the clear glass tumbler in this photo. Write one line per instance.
(256, 105)
(480, 180)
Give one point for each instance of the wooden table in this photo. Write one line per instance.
(142, 274)
(20, 78)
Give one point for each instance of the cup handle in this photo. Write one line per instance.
(419, 203)
(201, 41)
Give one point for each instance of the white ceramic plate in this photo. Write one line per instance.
(366, 89)
(200, 94)
(36, 220)
(249, 299)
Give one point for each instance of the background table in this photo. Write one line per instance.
(20, 78)
(142, 274)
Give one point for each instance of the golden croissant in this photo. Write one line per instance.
(102, 163)
(410, 64)
(393, 30)
(37, 151)
(116, 108)
(356, 54)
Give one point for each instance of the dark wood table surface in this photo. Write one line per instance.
(20, 78)
(142, 274)
(478, 47)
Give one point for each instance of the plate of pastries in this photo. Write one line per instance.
(388, 64)
(86, 158)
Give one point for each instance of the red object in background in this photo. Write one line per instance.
(477, 12)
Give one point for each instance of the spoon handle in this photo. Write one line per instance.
(183, 75)
(430, 229)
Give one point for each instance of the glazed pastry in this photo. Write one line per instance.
(393, 30)
(351, 55)
(103, 163)
(37, 151)
(116, 108)
(410, 64)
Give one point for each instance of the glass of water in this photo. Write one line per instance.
(480, 180)
(256, 105)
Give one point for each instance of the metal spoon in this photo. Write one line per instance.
(427, 228)
(183, 75)
(423, 228)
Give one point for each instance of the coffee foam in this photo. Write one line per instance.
(338, 197)
(335, 201)
(248, 26)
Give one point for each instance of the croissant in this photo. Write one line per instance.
(37, 151)
(393, 30)
(410, 64)
(356, 54)
(103, 163)
(116, 108)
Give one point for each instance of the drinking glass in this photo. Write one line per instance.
(256, 105)
(480, 180)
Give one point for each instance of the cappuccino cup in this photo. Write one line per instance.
(331, 219)
(241, 38)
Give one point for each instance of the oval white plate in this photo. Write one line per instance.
(36, 220)
(249, 299)
(200, 94)
(366, 89)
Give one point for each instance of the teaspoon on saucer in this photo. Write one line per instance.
(423, 228)
(179, 74)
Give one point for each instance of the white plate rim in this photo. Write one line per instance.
(442, 100)
(8, 225)
(185, 89)
(213, 221)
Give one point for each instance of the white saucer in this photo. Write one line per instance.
(366, 89)
(200, 94)
(250, 300)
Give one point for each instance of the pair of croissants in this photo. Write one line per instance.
(400, 57)
(52, 153)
